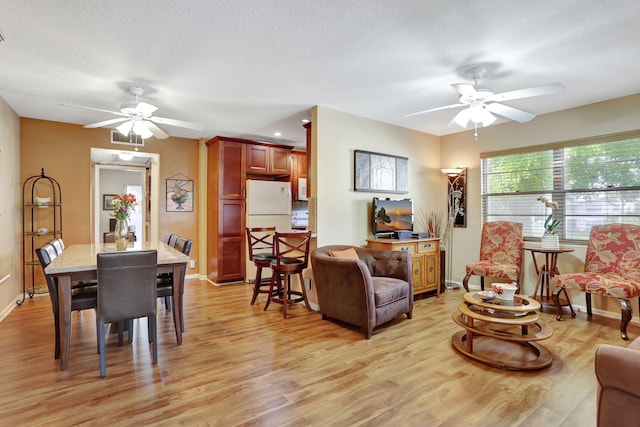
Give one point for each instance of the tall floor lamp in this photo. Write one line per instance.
(454, 199)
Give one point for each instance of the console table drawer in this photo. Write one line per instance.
(407, 247)
(427, 246)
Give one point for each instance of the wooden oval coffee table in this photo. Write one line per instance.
(500, 333)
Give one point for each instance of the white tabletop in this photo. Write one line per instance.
(83, 257)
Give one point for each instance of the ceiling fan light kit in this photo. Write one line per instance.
(482, 104)
(137, 116)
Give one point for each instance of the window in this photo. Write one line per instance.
(594, 181)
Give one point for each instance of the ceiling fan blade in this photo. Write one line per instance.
(446, 107)
(464, 89)
(106, 123)
(529, 92)
(178, 123)
(155, 130)
(117, 113)
(145, 109)
(510, 112)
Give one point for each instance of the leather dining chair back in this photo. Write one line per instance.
(58, 244)
(127, 291)
(82, 297)
(183, 245)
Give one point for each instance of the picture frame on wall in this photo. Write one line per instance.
(179, 195)
(380, 173)
(458, 198)
(106, 202)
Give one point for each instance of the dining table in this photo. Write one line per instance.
(79, 263)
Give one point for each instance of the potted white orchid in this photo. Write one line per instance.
(550, 239)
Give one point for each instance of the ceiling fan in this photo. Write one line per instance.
(482, 102)
(137, 116)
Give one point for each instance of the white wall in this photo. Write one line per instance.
(344, 215)
(617, 115)
(10, 208)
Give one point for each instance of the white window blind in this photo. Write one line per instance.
(594, 181)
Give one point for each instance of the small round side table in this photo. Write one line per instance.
(545, 273)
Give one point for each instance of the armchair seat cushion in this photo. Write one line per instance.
(387, 290)
(606, 284)
(494, 269)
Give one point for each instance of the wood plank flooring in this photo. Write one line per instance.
(239, 365)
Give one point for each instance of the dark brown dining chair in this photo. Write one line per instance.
(165, 280)
(58, 244)
(261, 253)
(166, 237)
(292, 257)
(82, 297)
(127, 291)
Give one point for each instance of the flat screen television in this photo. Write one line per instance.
(391, 215)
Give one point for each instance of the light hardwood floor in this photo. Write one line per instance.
(239, 365)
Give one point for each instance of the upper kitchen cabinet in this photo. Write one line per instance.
(268, 160)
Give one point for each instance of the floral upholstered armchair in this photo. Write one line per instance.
(500, 253)
(611, 268)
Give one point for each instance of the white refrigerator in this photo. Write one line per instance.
(268, 205)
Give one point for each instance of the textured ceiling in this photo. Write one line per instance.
(249, 68)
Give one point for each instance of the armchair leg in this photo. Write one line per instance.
(465, 282)
(409, 314)
(587, 297)
(482, 283)
(627, 314)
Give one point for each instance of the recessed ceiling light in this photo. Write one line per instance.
(278, 134)
(125, 156)
(305, 121)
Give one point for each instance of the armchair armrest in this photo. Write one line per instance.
(619, 368)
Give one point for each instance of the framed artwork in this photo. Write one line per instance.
(458, 198)
(106, 201)
(179, 195)
(380, 173)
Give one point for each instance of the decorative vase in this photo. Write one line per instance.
(121, 233)
(179, 200)
(550, 241)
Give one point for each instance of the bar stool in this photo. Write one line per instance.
(261, 252)
(292, 257)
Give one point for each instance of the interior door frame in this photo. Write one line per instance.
(154, 194)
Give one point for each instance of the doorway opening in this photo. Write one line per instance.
(138, 174)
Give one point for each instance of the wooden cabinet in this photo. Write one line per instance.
(425, 260)
(268, 160)
(229, 162)
(226, 178)
(298, 170)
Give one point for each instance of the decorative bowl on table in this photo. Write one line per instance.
(504, 291)
(486, 295)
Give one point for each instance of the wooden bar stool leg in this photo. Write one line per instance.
(304, 292)
(271, 289)
(256, 285)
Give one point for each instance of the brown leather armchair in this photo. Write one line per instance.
(366, 292)
(618, 373)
